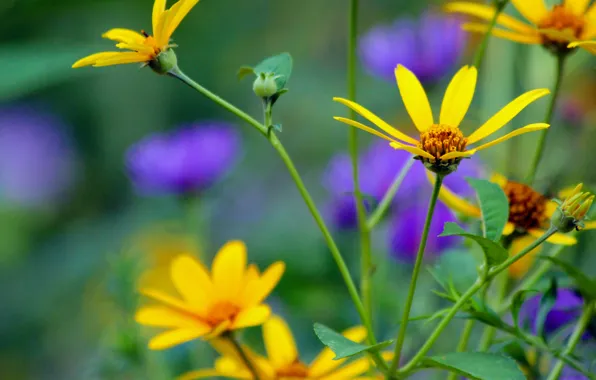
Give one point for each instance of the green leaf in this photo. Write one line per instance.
(280, 65)
(455, 269)
(494, 253)
(517, 302)
(342, 346)
(547, 301)
(585, 284)
(494, 205)
(477, 365)
(244, 71)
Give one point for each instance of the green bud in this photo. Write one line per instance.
(572, 211)
(164, 62)
(265, 85)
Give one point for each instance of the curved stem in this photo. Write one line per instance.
(466, 297)
(401, 335)
(481, 50)
(582, 324)
(385, 203)
(549, 115)
(243, 356)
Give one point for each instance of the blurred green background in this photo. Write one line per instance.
(68, 270)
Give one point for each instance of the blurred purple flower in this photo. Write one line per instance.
(37, 162)
(187, 160)
(429, 46)
(406, 231)
(567, 308)
(571, 374)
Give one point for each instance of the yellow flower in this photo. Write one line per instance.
(283, 360)
(529, 216)
(442, 145)
(572, 20)
(229, 298)
(143, 47)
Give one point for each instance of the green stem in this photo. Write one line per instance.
(243, 356)
(463, 343)
(364, 232)
(466, 297)
(401, 335)
(489, 332)
(582, 324)
(481, 50)
(549, 114)
(385, 203)
(278, 146)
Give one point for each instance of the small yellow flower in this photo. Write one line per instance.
(442, 145)
(572, 211)
(229, 298)
(529, 217)
(143, 47)
(283, 360)
(570, 21)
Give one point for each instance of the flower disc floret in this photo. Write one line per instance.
(527, 207)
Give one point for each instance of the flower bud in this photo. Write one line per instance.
(265, 85)
(164, 62)
(573, 210)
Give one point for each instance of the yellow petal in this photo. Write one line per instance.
(140, 48)
(487, 12)
(519, 268)
(167, 299)
(358, 125)
(451, 155)
(458, 96)
(229, 351)
(454, 202)
(507, 113)
(257, 290)
(528, 38)
(192, 281)
(349, 371)
(253, 316)
(159, 6)
(577, 7)
(200, 374)
(124, 35)
(550, 208)
(218, 330)
(324, 363)
(376, 120)
(123, 58)
(228, 270)
(589, 46)
(412, 149)
(533, 10)
(175, 337)
(161, 316)
(179, 12)
(414, 98)
(279, 342)
(566, 35)
(232, 368)
(519, 131)
(558, 238)
(91, 59)
(508, 229)
(499, 179)
(590, 225)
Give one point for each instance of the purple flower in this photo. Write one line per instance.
(406, 231)
(429, 46)
(36, 157)
(567, 308)
(571, 374)
(190, 159)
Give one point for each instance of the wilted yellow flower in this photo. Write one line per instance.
(442, 145)
(229, 298)
(283, 360)
(143, 47)
(572, 20)
(529, 216)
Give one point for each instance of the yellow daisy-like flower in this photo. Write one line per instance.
(229, 298)
(529, 217)
(442, 145)
(282, 360)
(572, 20)
(143, 47)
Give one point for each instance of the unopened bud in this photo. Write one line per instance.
(265, 85)
(573, 210)
(164, 62)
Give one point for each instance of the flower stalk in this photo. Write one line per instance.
(481, 50)
(251, 368)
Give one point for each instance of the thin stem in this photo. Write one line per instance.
(385, 203)
(582, 324)
(549, 114)
(463, 343)
(243, 356)
(401, 335)
(467, 295)
(481, 50)
(489, 332)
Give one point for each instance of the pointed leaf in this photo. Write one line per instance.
(244, 71)
(585, 284)
(494, 205)
(280, 65)
(516, 303)
(342, 346)
(477, 365)
(547, 301)
(494, 253)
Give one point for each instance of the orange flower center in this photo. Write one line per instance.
(296, 370)
(441, 139)
(220, 312)
(527, 207)
(561, 19)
